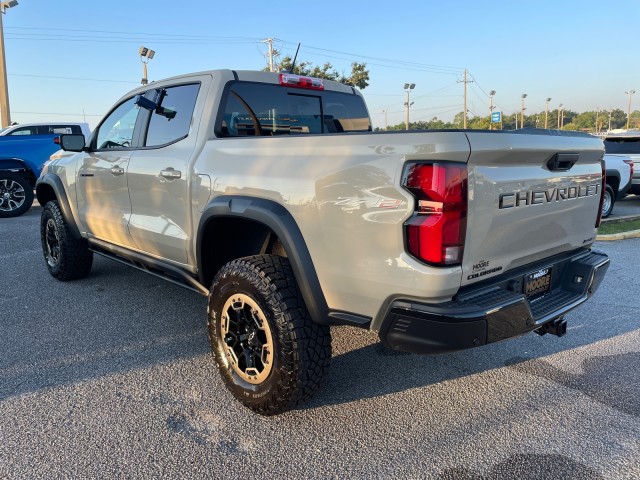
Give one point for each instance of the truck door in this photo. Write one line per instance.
(103, 200)
(159, 173)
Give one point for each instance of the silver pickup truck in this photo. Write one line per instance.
(270, 194)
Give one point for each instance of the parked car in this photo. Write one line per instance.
(23, 152)
(628, 144)
(619, 169)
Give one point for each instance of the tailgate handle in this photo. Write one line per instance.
(561, 162)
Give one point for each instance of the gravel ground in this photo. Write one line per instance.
(111, 376)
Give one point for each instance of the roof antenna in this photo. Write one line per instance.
(293, 65)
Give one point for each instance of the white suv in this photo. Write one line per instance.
(627, 144)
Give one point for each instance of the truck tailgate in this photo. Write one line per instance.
(531, 196)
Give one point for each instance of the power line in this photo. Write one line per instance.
(71, 78)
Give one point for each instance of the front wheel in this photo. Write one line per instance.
(609, 200)
(16, 194)
(269, 352)
(67, 257)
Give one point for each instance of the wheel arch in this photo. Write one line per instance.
(613, 179)
(256, 224)
(19, 166)
(50, 187)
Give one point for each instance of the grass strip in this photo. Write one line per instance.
(618, 227)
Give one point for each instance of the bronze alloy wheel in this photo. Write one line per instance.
(248, 341)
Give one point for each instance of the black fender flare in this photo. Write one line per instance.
(56, 184)
(281, 222)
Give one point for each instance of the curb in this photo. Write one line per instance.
(619, 236)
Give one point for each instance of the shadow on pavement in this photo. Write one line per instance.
(529, 467)
(611, 380)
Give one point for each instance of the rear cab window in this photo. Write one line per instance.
(622, 145)
(257, 109)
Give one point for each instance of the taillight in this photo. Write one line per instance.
(436, 232)
(56, 140)
(604, 184)
(631, 165)
(298, 81)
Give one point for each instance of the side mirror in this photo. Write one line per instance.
(72, 142)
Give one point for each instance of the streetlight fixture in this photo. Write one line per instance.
(146, 54)
(407, 88)
(491, 107)
(524, 95)
(546, 113)
(630, 93)
(4, 87)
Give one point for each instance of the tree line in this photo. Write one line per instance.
(591, 121)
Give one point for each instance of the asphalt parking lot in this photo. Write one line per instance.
(111, 376)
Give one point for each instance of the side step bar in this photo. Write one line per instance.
(147, 264)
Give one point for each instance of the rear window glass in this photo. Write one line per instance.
(46, 130)
(253, 109)
(622, 145)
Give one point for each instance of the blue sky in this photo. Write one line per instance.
(68, 57)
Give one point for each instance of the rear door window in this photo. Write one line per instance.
(171, 120)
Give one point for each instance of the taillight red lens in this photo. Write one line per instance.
(436, 233)
(631, 165)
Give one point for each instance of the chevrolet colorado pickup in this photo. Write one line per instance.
(270, 194)
(23, 150)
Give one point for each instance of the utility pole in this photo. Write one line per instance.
(5, 112)
(546, 113)
(516, 115)
(269, 41)
(385, 117)
(524, 95)
(597, 115)
(630, 93)
(407, 88)
(610, 113)
(465, 81)
(559, 110)
(491, 94)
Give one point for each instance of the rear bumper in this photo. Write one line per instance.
(495, 311)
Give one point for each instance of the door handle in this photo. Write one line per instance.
(117, 171)
(171, 173)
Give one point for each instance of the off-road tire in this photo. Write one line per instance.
(609, 200)
(66, 257)
(301, 349)
(16, 194)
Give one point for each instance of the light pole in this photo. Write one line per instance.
(4, 87)
(559, 110)
(524, 95)
(407, 88)
(546, 113)
(491, 107)
(630, 93)
(146, 54)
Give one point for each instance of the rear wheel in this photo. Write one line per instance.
(609, 200)
(270, 354)
(16, 194)
(67, 257)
